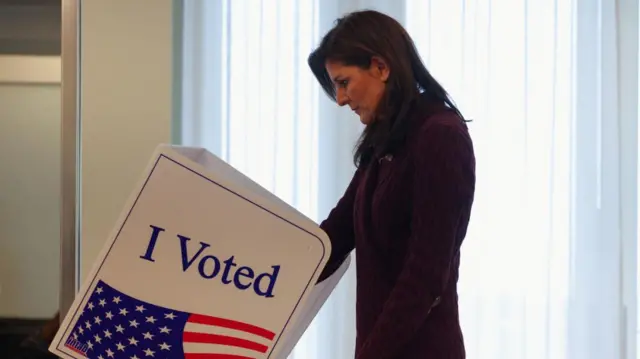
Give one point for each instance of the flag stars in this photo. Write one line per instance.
(114, 325)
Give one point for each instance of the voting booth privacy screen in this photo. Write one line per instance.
(202, 263)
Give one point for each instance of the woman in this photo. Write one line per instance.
(407, 207)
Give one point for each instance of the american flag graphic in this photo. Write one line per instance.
(115, 325)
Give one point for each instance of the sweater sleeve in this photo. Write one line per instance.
(443, 186)
(339, 229)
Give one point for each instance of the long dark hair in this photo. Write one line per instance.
(353, 41)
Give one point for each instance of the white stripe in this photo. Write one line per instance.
(210, 329)
(191, 348)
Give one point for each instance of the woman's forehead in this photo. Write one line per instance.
(336, 69)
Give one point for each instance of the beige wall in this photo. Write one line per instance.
(126, 106)
(29, 186)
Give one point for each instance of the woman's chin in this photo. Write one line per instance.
(365, 119)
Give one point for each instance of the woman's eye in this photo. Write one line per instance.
(343, 83)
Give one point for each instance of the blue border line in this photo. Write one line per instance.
(162, 156)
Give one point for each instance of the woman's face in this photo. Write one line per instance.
(359, 88)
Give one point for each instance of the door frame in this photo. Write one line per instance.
(70, 132)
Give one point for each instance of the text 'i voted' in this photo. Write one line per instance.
(210, 266)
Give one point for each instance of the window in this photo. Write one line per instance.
(541, 269)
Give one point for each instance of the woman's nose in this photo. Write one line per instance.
(341, 98)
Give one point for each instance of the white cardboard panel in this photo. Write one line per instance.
(202, 260)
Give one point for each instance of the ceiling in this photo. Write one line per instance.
(31, 2)
(30, 27)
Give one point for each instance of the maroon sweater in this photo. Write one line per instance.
(406, 216)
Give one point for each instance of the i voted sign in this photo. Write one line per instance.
(203, 263)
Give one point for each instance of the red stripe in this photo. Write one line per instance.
(76, 350)
(231, 324)
(214, 356)
(191, 337)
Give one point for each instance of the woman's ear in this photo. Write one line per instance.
(380, 68)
